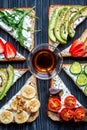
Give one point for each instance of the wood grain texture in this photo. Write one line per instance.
(42, 122)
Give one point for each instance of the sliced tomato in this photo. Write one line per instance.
(54, 104)
(67, 114)
(70, 102)
(79, 114)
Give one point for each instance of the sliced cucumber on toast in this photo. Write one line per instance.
(81, 80)
(76, 68)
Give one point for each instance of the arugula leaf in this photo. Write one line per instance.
(1, 13)
(10, 20)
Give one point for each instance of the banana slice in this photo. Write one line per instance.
(33, 105)
(14, 104)
(28, 92)
(21, 117)
(19, 101)
(6, 117)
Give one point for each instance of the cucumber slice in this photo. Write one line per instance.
(85, 90)
(81, 79)
(75, 68)
(85, 69)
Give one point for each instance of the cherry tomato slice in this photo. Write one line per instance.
(70, 102)
(66, 114)
(79, 114)
(54, 104)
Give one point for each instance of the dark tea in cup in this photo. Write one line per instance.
(45, 61)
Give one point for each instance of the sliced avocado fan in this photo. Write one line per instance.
(68, 15)
(4, 80)
(10, 71)
(81, 13)
(51, 25)
(58, 22)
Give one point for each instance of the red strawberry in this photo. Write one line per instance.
(10, 51)
(2, 47)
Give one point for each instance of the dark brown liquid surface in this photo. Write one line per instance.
(44, 61)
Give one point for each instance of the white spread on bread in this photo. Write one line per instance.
(8, 106)
(58, 83)
(18, 55)
(73, 77)
(28, 24)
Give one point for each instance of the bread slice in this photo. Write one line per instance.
(12, 75)
(25, 37)
(50, 12)
(57, 83)
(82, 38)
(24, 107)
(18, 57)
(66, 68)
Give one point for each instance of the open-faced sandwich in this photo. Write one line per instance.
(78, 48)
(63, 19)
(20, 24)
(62, 105)
(8, 52)
(8, 76)
(78, 73)
(22, 107)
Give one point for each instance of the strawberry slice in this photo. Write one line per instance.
(2, 47)
(76, 46)
(10, 51)
(79, 54)
(78, 49)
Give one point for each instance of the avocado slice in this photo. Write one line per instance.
(58, 22)
(81, 13)
(10, 71)
(4, 80)
(51, 26)
(64, 26)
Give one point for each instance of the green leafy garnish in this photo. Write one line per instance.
(15, 20)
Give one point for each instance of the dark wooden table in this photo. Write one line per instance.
(43, 122)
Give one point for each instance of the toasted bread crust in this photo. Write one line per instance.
(13, 59)
(82, 38)
(50, 11)
(53, 116)
(36, 114)
(32, 79)
(33, 23)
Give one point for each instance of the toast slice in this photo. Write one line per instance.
(22, 28)
(18, 57)
(8, 76)
(74, 77)
(82, 38)
(23, 106)
(57, 83)
(51, 18)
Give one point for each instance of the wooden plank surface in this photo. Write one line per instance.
(42, 122)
